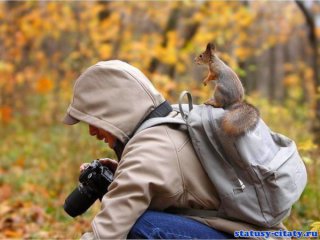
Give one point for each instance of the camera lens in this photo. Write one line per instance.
(78, 202)
(93, 184)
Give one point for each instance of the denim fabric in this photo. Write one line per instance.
(160, 225)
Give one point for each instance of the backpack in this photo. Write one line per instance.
(258, 176)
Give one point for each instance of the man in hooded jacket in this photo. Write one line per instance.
(157, 167)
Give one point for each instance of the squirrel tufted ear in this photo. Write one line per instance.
(211, 47)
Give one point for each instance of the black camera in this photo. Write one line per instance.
(93, 184)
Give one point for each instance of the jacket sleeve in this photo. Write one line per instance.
(141, 174)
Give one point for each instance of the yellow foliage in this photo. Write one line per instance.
(307, 160)
(105, 51)
(291, 80)
(307, 145)
(318, 32)
(164, 84)
(244, 18)
(242, 53)
(316, 227)
(2, 12)
(6, 67)
(181, 66)
(44, 85)
(21, 162)
(66, 87)
(5, 114)
(20, 78)
(308, 74)
(20, 39)
(288, 67)
(40, 56)
(198, 17)
(272, 40)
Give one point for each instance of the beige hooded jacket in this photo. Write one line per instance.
(158, 167)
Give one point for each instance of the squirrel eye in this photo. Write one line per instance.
(201, 55)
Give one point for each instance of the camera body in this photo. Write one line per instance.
(93, 184)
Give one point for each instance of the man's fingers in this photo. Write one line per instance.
(110, 163)
(83, 166)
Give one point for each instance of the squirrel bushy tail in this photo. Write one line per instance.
(240, 118)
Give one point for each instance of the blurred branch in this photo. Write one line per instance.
(309, 19)
(187, 36)
(105, 12)
(312, 37)
(310, 22)
(171, 24)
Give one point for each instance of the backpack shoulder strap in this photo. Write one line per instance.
(159, 121)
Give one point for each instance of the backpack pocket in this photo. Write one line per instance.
(244, 206)
(281, 181)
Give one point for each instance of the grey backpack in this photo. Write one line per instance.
(258, 176)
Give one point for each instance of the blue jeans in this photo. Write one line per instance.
(160, 225)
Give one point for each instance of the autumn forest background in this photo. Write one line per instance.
(44, 47)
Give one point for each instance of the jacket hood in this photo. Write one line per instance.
(114, 96)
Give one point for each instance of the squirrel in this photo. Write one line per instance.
(241, 116)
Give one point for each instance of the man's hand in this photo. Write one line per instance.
(87, 236)
(108, 162)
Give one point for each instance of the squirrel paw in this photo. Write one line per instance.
(213, 103)
(206, 81)
(209, 78)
